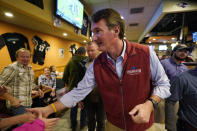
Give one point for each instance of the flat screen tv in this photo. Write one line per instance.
(71, 11)
(194, 36)
(163, 47)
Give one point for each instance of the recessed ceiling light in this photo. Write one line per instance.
(122, 17)
(8, 14)
(173, 38)
(65, 34)
(174, 21)
(154, 39)
(149, 42)
(164, 41)
(84, 41)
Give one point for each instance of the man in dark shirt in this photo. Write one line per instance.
(173, 67)
(73, 74)
(14, 42)
(184, 90)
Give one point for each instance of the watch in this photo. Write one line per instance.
(155, 104)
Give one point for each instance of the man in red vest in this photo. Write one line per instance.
(123, 73)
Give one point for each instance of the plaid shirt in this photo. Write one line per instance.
(20, 80)
(43, 80)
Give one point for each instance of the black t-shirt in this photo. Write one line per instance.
(14, 41)
(40, 49)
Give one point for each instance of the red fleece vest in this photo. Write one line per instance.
(120, 96)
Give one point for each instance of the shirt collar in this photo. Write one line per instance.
(123, 51)
(22, 66)
(172, 61)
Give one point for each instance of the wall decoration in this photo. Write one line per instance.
(85, 24)
(61, 52)
(14, 41)
(38, 3)
(40, 49)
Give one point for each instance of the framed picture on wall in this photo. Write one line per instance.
(85, 24)
(61, 53)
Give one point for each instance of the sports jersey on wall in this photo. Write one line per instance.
(40, 49)
(14, 41)
(38, 3)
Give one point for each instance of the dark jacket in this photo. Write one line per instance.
(74, 71)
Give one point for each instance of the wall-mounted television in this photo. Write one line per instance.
(71, 11)
(163, 47)
(194, 36)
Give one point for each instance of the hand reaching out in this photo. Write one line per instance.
(40, 110)
(28, 117)
(49, 123)
(80, 105)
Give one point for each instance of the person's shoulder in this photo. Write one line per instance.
(184, 75)
(12, 66)
(101, 57)
(165, 61)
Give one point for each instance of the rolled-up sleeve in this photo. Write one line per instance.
(84, 87)
(159, 77)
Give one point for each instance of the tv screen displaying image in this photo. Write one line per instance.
(163, 47)
(194, 36)
(71, 11)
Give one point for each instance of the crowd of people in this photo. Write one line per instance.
(118, 86)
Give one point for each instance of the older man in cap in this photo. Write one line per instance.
(173, 67)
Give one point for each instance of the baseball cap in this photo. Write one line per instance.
(180, 47)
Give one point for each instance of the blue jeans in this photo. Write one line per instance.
(73, 116)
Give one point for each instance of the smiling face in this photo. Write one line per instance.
(102, 35)
(24, 58)
(47, 71)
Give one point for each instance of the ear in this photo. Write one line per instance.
(116, 31)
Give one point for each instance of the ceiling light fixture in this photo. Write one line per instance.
(84, 41)
(65, 34)
(154, 39)
(8, 14)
